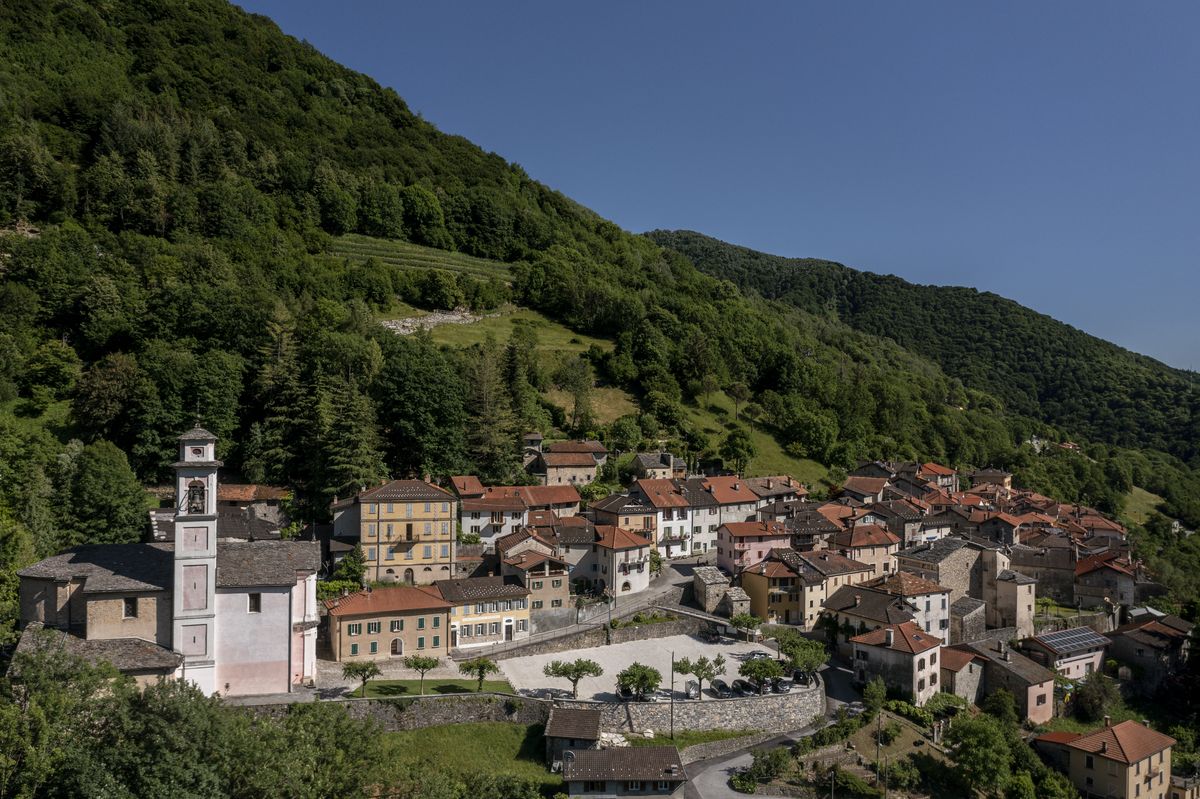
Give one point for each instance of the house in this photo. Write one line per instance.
(741, 544)
(962, 674)
(779, 488)
(1031, 684)
(1076, 652)
(568, 462)
(1000, 527)
(1105, 578)
(619, 562)
(1185, 786)
(904, 655)
(406, 529)
(864, 489)
(855, 610)
(709, 586)
(571, 728)
(703, 514)
(631, 513)
(1012, 604)
(1124, 761)
(1154, 648)
(562, 499)
(942, 476)
(735, 500)
(234, 617)
(659, 466)
(1051, 562)
(260, 501)
(573, 537)
(789, 587)
(485, 610)
(905, 518)
(493, 515)
(674, 517)
(950, 562)
(388, 622)
(929, 601)
(809, 527)
(872, 544)
(991, 477)
(968, 620)
(654, 771)
(548, 579)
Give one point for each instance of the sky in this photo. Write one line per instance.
(1049, 152)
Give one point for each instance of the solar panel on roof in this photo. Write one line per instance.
(1073, 639)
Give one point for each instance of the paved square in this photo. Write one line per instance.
(525, 673)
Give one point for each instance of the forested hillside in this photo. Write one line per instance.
(177, 182)
(1036, 365)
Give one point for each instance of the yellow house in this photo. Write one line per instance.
(789, 587)
(1124, 761)
(406, 528)
(486, 610)
(390, 622)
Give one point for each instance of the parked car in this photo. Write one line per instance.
(758, 654)
(781, 686)
(743, 688)
(801, 677)
(692, 689)
(721, 689)
(761, 688)
(625, 694)
(661, 695)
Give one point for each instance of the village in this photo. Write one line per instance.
(687, 601)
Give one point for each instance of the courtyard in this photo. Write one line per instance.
(525, 673)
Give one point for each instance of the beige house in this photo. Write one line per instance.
(904, 655)
(486, 610)
(1124, 761)
(389, 622)
(790, 587)
(872, 544)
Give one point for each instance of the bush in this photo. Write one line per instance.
(743, 783)
(769, 764)
(838, 731)
(887, 734)
(942, 702)
(902, 774)
(910, 711)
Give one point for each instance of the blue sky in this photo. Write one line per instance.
(1049, 152)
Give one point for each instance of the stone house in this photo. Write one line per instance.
(1031, 684)
(630, 512)
(1051, 563)
(962, 674)
(864, 489)
(708, 587)
(643, 771)
(789, 587)
(568, 462)
(1105, 578)
(1013, 605)
(1153, 648)
(871, 544)
(571, 728)
(905, 656)
(386, 623)
(1076, 652)
(1123, 761)
(929, 601)
(659, 466)
(968, 619)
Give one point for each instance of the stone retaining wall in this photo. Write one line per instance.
(417, 712)
(599, 635)
(721, 748)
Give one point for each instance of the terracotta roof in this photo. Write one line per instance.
(641, 763)
(568, 460)
(937, 468)
(467, 485)
(470, 589)
(1105, 560)
(582, 724)
(1126, 742)
(493, 503)
(541, 496)
(730, 490)
(743, 529)
(865, 485)
(905, 584)
(611, 537)
(836, 513)
(1161, 633)
(811, 567)
(405, 491)
(251, 492)
(506, 542)
(588, 447)
(390, 599)
(1057, 737)
(866, 535)
(662, 493)
(957, 659)
(529, 559)
(906, 637)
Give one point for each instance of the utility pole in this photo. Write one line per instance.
(672, 695)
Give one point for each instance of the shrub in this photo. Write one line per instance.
(769, 764)
(942, 702)
(902, 774)
(743, 783)
(887, 734)
(910, 711)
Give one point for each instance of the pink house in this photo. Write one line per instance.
(742, 544)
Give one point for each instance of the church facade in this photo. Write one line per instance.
(234, 617)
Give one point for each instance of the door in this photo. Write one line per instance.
(508, 631)
(397, 647)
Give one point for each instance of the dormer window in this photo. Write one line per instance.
(195, 497)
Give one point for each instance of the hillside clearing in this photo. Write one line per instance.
(1139, 504)
(413, 256)
(496, 747)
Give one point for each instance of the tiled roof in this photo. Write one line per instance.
(622, 503)
(530, 559)
(1105, 560)
(775, 486)
(251, 492)
(662, 493)
(582, 724)
(471, 589)
(405, 491)
(568, 460)
(197, 433)
(743, 529)
(493, 503)
(898, 508)
(957, 659)
(588, 447)
(836, 513)
(1010, 576)
(906, 637)
(246, 564)
(1162, 633)
(1126, 742)
(1002, 656)
(695, 493)
(865, 485)
(126, 654)
(730, 490)
(866, 535)
(390, 599)
(938, 469)
(612, 537)
(905, 584)
(467, 485)
(542, 496)
(641, 763)
(854, 600)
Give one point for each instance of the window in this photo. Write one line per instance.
(921, 685)
(1041, 700)
(373, 627)
(522, 625)
(371, 508)
(437, 641)
(445, 507)
(662, 785)
(494, 628)
(592, 786)
(556, 583)
(354, 629)
(475, 515)
(391, 553)
(397, 625)
(370, 553)
(371, 530)
(421, 642)
(1088, 761)
(537, 604)
(374, 647)
(353, 649)
(428, 507)
(255, 603)
(466, 630)
(445, 528)
(481, 629)
(445, 549)
(537, 584)
(391, 509)
(408, 509)
(130, 609)
(420, 622)
(437, 622)
(427, 551)
(633, 785)
(389, 530)
(933, 659)
(933, 678)
(556, 603)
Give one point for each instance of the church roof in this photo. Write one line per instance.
(125, 654)
(197, 433)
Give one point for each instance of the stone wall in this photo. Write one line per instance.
(412, 713)
(779, 712)
(594, 635)
(721, 748)
(1100, 622)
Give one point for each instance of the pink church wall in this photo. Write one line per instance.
(253, 648)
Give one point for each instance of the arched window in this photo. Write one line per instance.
(397, 647)
(921, 664)
(195, 497)
(408, 576)
(625, 586)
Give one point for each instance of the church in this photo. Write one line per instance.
(234, 617)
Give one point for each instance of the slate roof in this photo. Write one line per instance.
(907, 637)
(622, 503)
(811, 567)
(109, 567)
(873, 605)
(710, 575)
(1023, 668)
(126, 654)
(644, 763)
(694, 492)
(568, 534)
(1126, 742)
(965, 604)
(197, 433)
(775, 486)
(389, 599)
(1159, 633)
(473, 589)
(1010, 576)
(933, 551)
(582, 724)
(246, 564)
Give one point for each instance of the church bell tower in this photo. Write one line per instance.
(194, 620)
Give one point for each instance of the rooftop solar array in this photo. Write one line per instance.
(1073, 640)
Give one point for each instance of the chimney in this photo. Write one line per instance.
(762, 567)
(1103, 746)
(889, 635)
(770, 483)
(735, 486)
(857, 600)
(1107, 721)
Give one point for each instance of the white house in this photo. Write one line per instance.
(904, 655)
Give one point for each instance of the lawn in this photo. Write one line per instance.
(1139, 504)
(685, 738)
(608, 404)
(386, 688)
(413, 256)
(496, 747)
